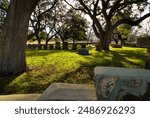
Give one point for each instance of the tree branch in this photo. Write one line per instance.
(114, 7)
(3, 9)
(95, 7)
(104, 9)
(85, 7)
(95, 30)
(78, 9)
(130, 22)
(119, 6)
(41, 15)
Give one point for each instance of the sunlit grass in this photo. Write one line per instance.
(49, 66)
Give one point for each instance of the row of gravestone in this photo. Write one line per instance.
(56, 46)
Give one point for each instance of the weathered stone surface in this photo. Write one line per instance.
(83, 51)
(64, 92)
(112, 83)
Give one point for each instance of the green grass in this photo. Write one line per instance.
(46, 67)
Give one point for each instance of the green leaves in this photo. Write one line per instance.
(75, 26)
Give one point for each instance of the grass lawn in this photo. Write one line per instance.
(48, 66)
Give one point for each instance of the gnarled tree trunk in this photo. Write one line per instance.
(13, 37)
(106, 40)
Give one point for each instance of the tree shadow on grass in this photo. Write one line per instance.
(128, 59)
(79, 76)
(28, 82)
(4, 81)
(118, 59)
(85, 73)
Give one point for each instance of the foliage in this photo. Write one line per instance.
(123, 30)
(40, 19)
(75, 26)
(102, 12)
(57, 21)
(46, 67)
(5, 4)
(3, 11)
(42, 35)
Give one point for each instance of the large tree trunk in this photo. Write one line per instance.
(13, 37)
(104, 36)
(39, 40)
(106, 40)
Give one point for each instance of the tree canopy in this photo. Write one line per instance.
(41, 18)
(13, 37)
(102, 12)
(75, 26)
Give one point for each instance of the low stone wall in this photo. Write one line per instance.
(58, 46)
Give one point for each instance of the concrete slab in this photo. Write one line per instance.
(20, 97)
(68, 92)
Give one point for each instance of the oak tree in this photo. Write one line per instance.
(102, 12)
(13, 37)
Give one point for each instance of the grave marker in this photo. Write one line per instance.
(65, 46)
(144, 42)
(57, 46)
(113, 83)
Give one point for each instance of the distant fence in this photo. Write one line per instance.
(59, 46)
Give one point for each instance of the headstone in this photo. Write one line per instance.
(83, 45)
(65, 46)
(114, 83)
(83, 51)
(98, 47)
(57, 46)
(116, 46)
(147, 63)
(74, 46)
(34, 46)
(144, 42)
(29, 46)
(51, 46)
(39, 46)
(45, 47)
